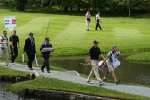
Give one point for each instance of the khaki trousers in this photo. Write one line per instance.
(94, 70)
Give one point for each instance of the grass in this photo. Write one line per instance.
(49, 83)
(68, 35)
(140, 57)
(69, 38)
(10, 72)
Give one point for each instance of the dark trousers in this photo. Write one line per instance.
(46, 64)
(14, 54)
(98, 26)
(31, 58)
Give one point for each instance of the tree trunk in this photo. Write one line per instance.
(65, 8)
(21, 5)
(129, 12)
(129, 8)
(41, 3)
(78, 5)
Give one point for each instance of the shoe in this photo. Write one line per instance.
(7, 64)
(117, 82)
(89, 82)
(31, 68)
(104, 79)
(42, 71)
(88, 30)
(48, 72)
(101, 83)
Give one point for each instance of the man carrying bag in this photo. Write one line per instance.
(46, 49)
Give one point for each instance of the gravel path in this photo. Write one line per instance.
(73, 76)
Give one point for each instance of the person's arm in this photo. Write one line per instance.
(101, 55)
(108, 55)
(90, 51)
(34, 45)
(96, 18)
(18, 41)
(41, 48)
(100, 19)
(1, 41)
(25, 46)
(10, 42)
(118, 53)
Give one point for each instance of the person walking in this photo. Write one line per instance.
(30, 50)
(14, 44)
(4, 47)
(95, 53)
(98, 18)
(112, 62)
(46, 49)
(88, 20)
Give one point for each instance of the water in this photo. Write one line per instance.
(127, 73)
(4, 95)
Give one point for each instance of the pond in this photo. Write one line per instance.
(5, 95)
(127, 73)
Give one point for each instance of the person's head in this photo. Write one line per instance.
(114, 48)
(98, 13)
(47, 40)
(14, 32)
(4, 33)
(30, 34)
(95, 43)
(88, 11)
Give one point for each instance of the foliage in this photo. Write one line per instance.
(106, 6)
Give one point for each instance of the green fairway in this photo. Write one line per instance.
(70, 38)
(141, 57)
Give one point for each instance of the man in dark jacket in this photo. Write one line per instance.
(14, 42)
(46, 49)
(29, 48)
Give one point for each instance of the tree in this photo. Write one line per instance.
(20, 4)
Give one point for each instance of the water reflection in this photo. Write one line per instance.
(128, 72)
(4, 95)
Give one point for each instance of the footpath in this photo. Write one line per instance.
(73, 76)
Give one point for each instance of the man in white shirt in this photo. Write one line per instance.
(98, 18)
(4, 53)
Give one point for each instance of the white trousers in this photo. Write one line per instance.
(87, 25)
